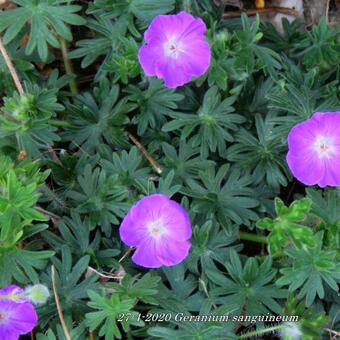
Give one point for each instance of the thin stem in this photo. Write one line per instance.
(59, 122)
(252, 237)
(126, 254)
(261, 331)
(60, 311)
(11, 68)
(153, 163)
(48, 213)
(266, 10)
(68, 65)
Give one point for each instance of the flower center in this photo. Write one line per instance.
(323, 146)
(3, 317)
(172, 48)
(156, 229)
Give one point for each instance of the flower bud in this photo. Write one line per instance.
(37, 294)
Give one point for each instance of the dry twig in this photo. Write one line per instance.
(60, 311)
(153, 163)
(266, 10)
(11, 68)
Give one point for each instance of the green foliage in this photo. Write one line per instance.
(284, 230)
(217, 146)
(310, 322)
(321, 46)
(71, 285)
(247, 286)
(98, 117)
(310, 270)
(210, 125)
(261, 154)
(43, 20)
(153, 103)
(99, 195)
(18, 199)
(27, 119)
(226, 194)
(109, 309)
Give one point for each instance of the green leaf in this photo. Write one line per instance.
(45, 19)
(283, 229)
(310, 270)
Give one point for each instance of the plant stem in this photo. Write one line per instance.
(266, 10)
(11, 68)
(60, 311)
(68, 65)
(261, 331)
(253, 237)
(145, 152)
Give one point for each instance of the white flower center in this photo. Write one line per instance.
(3, 317)
(172, 48)
(324, 146)
(156, 229)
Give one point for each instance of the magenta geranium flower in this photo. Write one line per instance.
(159, 228)
(176, 49)
(17, 316)
(314, 150)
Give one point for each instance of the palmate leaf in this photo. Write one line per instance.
(311, 322)
(299, 94)
(143, 288)
(252, 56)
(105, 42)
(180, 293)
(108, 310)
(212, 125)
(194, 330)
(45, 20)
(75, 232)
(226, 194)
(184, 160)
(249, 286)
(72, 287)
(311, 269)
(100, 196)
(128, 166)
(326, 207)
(98, 117)
(153, 103)
(288, 39)
(77, 332)
(284, 228)
(17, 209)
(22, 265)
(262, 155)
(209, 244)
(320, 46)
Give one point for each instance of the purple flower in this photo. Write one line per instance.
(17, 317)
(160, 229)
(314, 150)
(176, 49)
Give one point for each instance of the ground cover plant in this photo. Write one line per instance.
(167, 172)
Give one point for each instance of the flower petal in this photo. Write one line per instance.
(146, 255)
(171, 253)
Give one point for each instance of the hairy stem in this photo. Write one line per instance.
(11, 68)
(261, 331)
